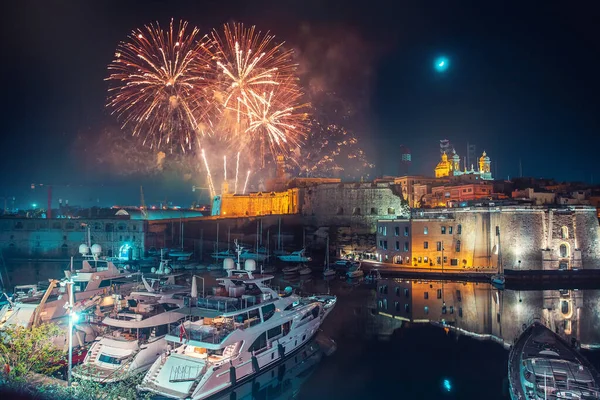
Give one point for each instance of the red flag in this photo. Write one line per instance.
(181, 332)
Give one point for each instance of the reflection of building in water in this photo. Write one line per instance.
(483, 310)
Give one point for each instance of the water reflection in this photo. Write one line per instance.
(486, 312)
(284, 380)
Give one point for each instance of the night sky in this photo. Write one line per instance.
(523, 81)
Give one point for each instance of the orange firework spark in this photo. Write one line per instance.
(275, 119)
(249, 64)
(160, 78)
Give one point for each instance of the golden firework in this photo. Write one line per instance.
(160, 84)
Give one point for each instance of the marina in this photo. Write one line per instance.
(372, 315)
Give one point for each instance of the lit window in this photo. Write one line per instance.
(450, 230)
(406, 231)
(443, 230)
(425, 230)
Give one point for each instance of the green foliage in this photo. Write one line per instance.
(27, 350)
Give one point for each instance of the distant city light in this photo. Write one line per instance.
(441, 64)
(447, 385)
(34, 205)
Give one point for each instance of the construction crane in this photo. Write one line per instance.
(38, 310)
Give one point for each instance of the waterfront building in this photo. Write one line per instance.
(495, 237)
(393, 241)
(484, 312)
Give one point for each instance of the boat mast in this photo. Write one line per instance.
(279, 235)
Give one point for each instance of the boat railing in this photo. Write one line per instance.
(206, 333)
(186, 373)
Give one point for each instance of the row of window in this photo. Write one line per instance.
(374, 211)
(439, 246)
(383, 289)
(438, 261)
(96, 226)
(383, 244)
(383, 230)
(383, 304)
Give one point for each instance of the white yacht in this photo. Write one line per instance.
(296, 257)
(135, 337)
(256, 328)
(95, 279)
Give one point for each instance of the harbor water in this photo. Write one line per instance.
(405, 339)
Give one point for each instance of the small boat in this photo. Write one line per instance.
(291, 269)
(305, 271)
(355, 272)
(498, 280)
(328, 271)
(180, 255)
(261, 255)
(373, 276)
(221, 255)
(296, 257)
(542, 365)
(214, 267)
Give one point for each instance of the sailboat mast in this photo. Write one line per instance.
(279, 236)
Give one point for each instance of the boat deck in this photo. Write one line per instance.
(552, 368)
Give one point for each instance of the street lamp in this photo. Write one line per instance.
(73, 318)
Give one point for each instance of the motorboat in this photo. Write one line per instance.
(327, 272)
(96, 278)
(542, 365)
(292, 269)
(261, 255)
(343, 264)
(135, 337)
(305, 271)
(214, 267)
(498, 280)
(221, 255)
(373, 276)
(245, 329)
(295, 257)
(355, 272)
(180, 255)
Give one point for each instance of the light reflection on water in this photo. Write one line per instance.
(388, 343)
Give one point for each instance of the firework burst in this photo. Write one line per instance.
(159, 83)
(275, 120)
(249, 64)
